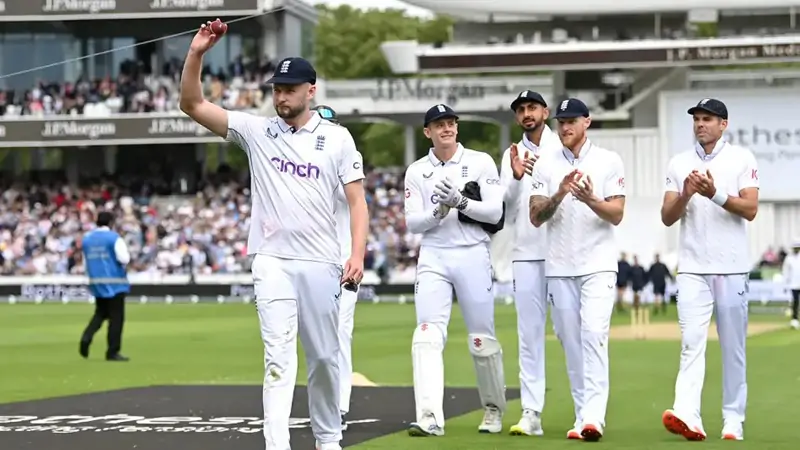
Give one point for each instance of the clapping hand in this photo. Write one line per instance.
(520, 167)
(447, 193)
(583, 191)
(704, 183)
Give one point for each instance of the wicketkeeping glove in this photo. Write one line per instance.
(441, 211)
(472, 191)
(447, 193)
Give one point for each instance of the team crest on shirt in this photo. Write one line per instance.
(320, 146)
(464, 171)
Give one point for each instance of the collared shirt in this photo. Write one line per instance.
(530, 243)
(295, 175)
(712, 240)
(465, 165)
(579, 242)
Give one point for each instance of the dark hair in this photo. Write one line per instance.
(105, 219)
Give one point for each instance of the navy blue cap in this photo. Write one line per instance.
(326, 112)
(528, 96)
(711, 106)
(439, 112)
(572, 108)
(293, 71)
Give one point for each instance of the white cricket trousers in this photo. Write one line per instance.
(294, 296)
(347, 311)
(698, 297)
(530, 298)
(468, 272)
(582, 308)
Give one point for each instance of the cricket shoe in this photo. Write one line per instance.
(529, 425)
(328, 446)
(425, 427)
(676, 425)
(795, 324)
(492, 420)
(733, 431)
(574, 434)
(592, 432)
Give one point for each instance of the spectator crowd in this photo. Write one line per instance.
(41, 226)
(136, 90)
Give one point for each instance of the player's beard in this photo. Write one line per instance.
(537, 125)
(288, 113)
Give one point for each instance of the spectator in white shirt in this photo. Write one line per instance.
(791, 277)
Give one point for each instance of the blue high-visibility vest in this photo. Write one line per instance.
(107, 277)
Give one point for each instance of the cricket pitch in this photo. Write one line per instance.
(670, 331)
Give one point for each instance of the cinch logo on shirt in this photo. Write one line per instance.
(301, 170)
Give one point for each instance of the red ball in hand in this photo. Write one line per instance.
(218, 27)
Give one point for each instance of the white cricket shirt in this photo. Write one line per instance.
(712, 240)
(294, 179)
(530, 243)
(465, 165)
(791, 270)
(579, 242)
(343, 224)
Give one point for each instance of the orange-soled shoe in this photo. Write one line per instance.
(675, 425)
(733, 432)
(574, 434)
(592, 432)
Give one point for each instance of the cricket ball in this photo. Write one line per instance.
(219, 28)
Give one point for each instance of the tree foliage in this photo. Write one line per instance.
(347, 40)
(347, 46)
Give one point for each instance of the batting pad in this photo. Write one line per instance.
(488, 357)
(428, 363)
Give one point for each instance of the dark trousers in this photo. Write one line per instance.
(795, 302)
(113, 310)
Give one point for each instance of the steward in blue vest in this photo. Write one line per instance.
(106, 255)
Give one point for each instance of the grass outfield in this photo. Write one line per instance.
(220, 344)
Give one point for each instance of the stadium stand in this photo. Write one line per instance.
(136, 90)
(41, 226)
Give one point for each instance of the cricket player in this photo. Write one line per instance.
(297, 163)
(454, 254)
(713, 190)
(581, 192)
(530, 286)
(347, 302)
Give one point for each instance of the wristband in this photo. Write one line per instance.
(720, 198)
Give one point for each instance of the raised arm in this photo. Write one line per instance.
(490, 208)
(192, 102)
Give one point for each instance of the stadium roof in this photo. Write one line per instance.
(586, 7)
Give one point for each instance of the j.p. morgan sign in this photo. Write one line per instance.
(119, 130)
(46, 10)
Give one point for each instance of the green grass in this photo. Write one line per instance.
(220, 344)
